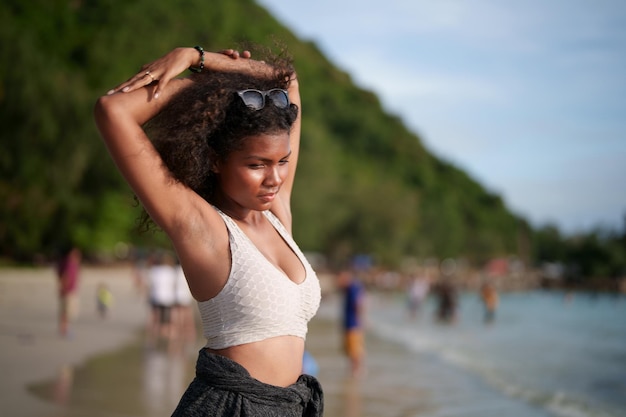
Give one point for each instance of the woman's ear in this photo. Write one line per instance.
(215, 167)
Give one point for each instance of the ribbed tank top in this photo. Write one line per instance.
(258, 301)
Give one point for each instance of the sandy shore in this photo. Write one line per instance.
(31, 349)
(33, 353)
(114, 374)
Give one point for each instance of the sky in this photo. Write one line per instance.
(527, 97)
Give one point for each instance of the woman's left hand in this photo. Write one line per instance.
(170, 65)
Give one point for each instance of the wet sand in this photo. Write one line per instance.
(105, 367)
(31, 349)
(107, 370)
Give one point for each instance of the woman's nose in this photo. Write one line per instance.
(273, 177)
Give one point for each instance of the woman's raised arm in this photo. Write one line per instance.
(172, 64)
(119, 118)
(121, 113)
(294, 138)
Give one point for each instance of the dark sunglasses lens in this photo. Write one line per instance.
(253, 99)
(279, 98)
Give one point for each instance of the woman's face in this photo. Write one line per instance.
(251, 177)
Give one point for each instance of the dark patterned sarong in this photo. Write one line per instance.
(223, 388)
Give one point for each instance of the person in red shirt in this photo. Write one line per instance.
(68, 270)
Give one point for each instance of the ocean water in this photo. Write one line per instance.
(546, 353)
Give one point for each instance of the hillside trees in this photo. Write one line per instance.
(365, 183)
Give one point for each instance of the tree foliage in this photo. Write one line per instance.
(365, 184)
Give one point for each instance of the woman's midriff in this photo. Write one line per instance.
(275, 361)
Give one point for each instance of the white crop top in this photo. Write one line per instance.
(258, 301)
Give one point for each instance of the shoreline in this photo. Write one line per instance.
(113, 370)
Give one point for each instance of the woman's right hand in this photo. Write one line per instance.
(170, 65)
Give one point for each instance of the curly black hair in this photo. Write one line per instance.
(207, 120)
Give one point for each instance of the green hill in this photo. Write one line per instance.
(365, 183)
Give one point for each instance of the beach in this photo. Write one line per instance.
(105, 370)
(32, 350)
(545, 355)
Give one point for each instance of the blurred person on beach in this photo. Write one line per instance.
(104, 300)
(353, 317)
(212, 157)
(68, 273)
(418, 288)
(161, 296)
(490, 299)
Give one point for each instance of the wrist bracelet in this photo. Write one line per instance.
(201, 67)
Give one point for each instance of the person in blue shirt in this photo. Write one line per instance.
(353, 312)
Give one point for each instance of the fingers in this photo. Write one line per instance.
(150, 77)
(235, 54)
(141, 79)
(149, 74)
(162, 70)
(160, 84)
(160, 87)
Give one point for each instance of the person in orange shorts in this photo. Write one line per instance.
(354, 343)
(490, 298)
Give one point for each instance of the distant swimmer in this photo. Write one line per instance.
(490, 299)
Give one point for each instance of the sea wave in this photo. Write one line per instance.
(458, 347)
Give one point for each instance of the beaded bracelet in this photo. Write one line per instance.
(201, 67)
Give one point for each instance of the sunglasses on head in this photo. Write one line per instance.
(255, 99)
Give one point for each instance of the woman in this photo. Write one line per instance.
(216, 175)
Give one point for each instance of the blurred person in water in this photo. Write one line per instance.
(446, 294)
(353, 320)
(490, 299)
(417, 291)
